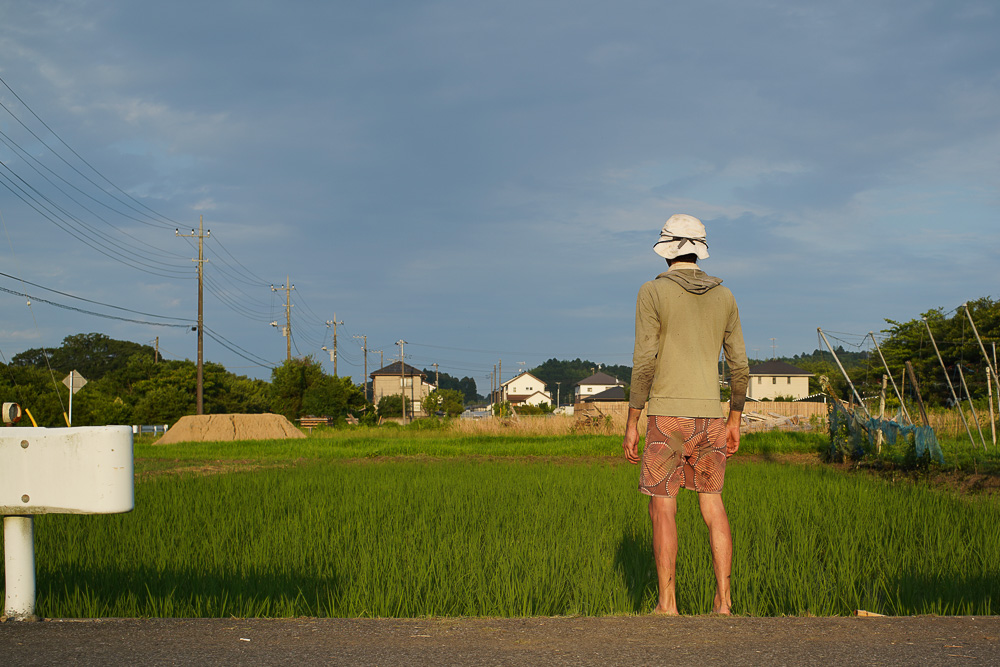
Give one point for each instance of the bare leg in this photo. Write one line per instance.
(663, 512)
(714, 513)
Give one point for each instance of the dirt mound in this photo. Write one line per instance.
(210, 428)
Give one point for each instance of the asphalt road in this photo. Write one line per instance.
(616, 640)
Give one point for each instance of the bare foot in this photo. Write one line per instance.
(664, 611)
(722, 611)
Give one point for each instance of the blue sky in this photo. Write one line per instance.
(486, 180)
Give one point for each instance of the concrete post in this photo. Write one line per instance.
(19, 568)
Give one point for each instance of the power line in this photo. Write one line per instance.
(168, 222)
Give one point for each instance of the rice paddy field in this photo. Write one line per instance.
(407, 523)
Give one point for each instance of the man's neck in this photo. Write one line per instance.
(677, 266)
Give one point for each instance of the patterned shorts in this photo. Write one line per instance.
(683, 452)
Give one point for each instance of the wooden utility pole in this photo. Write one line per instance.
(334, 322)
(201, 235)
(364, 348)
(287, 288)
(437, 376)
(402, 376)
(156, 354)
(381, 364)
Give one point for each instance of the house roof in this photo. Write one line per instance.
(612, 394)
(394, 369)
(520, 375)
(600, 378)
(775, 367)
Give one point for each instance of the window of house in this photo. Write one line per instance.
(774, 380)
(789, 380)
(759, 380)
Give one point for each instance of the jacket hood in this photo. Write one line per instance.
(695, 281)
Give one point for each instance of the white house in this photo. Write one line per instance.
(776, 378)
(524, 389)
(596, 384)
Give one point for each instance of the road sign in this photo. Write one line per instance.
(74, 381)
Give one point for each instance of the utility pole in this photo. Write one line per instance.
(287, 287)
(437, 376)
(334, 322)
(364, 347)
(558, 387)
(201, 236)
(773, 346)
(156, 355)
(402, 377)
(381, 365)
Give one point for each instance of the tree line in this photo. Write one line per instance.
(128, 384)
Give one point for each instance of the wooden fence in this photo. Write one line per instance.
(618, 411)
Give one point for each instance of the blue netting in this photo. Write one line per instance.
(854, 434)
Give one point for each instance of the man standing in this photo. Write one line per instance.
(682, 319)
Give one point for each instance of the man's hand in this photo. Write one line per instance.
(733, 432)
(631, 441)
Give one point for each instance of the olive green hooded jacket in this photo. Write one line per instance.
(683, 319)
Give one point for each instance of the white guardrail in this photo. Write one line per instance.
(80, 470)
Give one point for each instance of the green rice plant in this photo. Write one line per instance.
(480, 536)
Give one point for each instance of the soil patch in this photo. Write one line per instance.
(212, 428)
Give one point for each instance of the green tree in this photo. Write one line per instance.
(391, 405)
(569, 372)
(289, 384)
(301, 387)
(466, 386)
(334, 397)
(448, 401)
(93, 355)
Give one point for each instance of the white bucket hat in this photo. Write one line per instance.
(682, 235)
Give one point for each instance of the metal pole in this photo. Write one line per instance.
(993, 423)
(980, 341)
(951, 388)
(889, 373)
(972, 407)
(916, 390)
(881, 415)
(843, 372)
(71, 379)
(19, 568)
